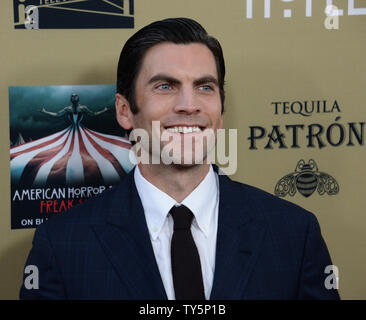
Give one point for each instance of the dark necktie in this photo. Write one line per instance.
(186, 265)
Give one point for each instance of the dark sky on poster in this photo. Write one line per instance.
(25, 104)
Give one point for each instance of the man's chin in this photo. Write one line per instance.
(185, 166)
(189, 161)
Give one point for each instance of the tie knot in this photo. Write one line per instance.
(182, 217)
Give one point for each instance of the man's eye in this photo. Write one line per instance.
(205, 88)
(164, 86)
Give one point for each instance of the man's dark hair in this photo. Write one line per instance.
(174, 30)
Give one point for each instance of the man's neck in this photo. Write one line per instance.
(178, 182)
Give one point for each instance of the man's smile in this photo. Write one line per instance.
(184, 129)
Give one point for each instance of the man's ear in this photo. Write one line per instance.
(124, 114)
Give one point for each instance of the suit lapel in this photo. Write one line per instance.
(239, 237)
(126, 242)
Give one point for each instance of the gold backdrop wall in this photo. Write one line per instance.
(273, 61)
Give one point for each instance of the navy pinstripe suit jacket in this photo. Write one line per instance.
(267, 248)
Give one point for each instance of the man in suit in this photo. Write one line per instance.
(178, 230)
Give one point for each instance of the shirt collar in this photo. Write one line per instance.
(157, 204)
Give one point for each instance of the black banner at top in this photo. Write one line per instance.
(73, 14)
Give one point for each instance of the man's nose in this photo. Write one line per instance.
(186, 102)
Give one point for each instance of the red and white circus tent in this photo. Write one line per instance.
(73, 156)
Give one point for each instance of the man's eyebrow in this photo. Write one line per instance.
(162, 77)
(206, 79)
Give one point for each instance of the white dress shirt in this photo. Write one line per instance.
(204, 204)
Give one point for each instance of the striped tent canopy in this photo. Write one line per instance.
(73, 156)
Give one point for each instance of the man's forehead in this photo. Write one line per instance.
(193, 60)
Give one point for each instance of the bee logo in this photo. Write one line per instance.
(306, 179)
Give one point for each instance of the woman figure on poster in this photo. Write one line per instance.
(75, 112)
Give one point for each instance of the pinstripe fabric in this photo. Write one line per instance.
(267, 248)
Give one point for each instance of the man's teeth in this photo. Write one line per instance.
(184, 129)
